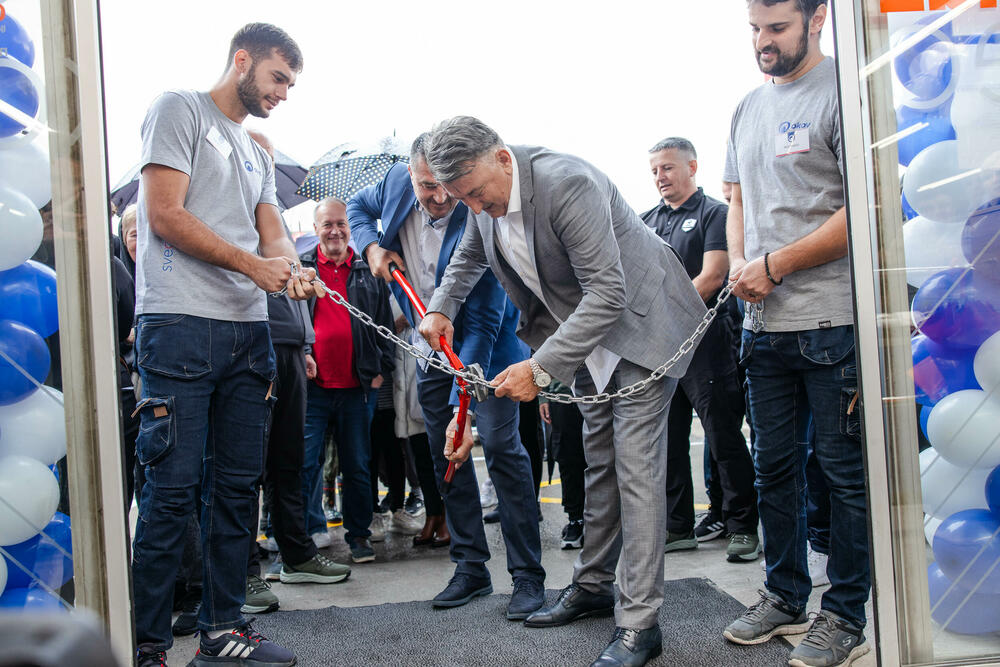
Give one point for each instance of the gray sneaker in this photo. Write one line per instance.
(260, 599)
(679, 542)
(317, 570)
(743, 547)
(831, 640)
(766, 618)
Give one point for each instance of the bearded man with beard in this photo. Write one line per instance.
(210, 246)
(787, 238)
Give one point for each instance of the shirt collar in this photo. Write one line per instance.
(323, 259)
(425, 217)
(690, 204)
(514, 203)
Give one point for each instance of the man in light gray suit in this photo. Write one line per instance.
(604, 301)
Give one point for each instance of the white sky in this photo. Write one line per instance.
(603, 81)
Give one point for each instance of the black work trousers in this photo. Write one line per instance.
(567, 446)
(388, 449)
(424, 464)
(718, 401)
(283, 462)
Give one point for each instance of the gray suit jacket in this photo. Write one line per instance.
(609, 278)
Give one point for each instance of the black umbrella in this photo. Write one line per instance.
(288, 174)
(346, 169)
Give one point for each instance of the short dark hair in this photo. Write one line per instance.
(259, 39)
(676, 143)
(806, 7)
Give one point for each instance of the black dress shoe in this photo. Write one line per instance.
(631, 648)
(461, 589)
(573, 603)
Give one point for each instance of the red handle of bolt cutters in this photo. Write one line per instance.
(463, 396)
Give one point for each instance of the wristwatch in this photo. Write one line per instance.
(542, 379)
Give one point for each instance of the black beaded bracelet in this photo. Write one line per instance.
(767, 269)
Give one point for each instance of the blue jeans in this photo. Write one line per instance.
(510, 469)
(791, 376)
(346, 412)
(206, 400)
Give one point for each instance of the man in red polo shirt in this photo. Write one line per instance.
(351, 362)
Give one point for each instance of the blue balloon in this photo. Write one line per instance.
(27, 349)
(28, 296)
(926, 68)
(993, 492)
(958, 308)
(41, 556)
(15, 39)
(30, 600)
(16, 90)
(957, 610)
(939, 370)
(925, 414)
(939, 128)
(981, 240)
(967, 548)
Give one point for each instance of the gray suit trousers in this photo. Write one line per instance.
(625, 511)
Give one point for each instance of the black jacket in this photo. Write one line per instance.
(373, 355)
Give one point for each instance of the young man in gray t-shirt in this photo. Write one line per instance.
(210, 244)
(787, 235)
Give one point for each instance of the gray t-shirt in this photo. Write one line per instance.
(784, 151)
(230, 175)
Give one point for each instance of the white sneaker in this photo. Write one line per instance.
(378, 528)
(487, 494)
(817, 567)
(321, 539)
(405, 523)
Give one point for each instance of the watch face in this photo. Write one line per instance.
(543, 379)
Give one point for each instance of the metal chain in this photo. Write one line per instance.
(473, 379)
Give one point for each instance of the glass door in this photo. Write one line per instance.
(920, 86)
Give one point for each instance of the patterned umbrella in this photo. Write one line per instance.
(344, 170)
(288, 174)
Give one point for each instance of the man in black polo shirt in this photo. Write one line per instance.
(695, 226)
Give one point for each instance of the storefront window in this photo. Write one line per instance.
(929, 77)
(63, 546)
(35, 534)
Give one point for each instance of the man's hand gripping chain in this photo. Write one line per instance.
(473, 373)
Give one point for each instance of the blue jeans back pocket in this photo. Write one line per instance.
(157, 430)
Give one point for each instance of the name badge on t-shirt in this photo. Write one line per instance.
(792, 140)
(219, 142)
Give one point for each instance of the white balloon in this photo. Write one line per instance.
(931, 524)
(29, 496)
(34, 427)
(948, 488)
(932, 193)
(986, 364)
(25, 169)
(20, 228)
(931, 247)
(964, 427)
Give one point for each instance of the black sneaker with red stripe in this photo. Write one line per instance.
(242, 646)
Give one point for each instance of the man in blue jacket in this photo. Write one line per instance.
(422, 227)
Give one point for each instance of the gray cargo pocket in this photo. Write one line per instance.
(157, 430)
